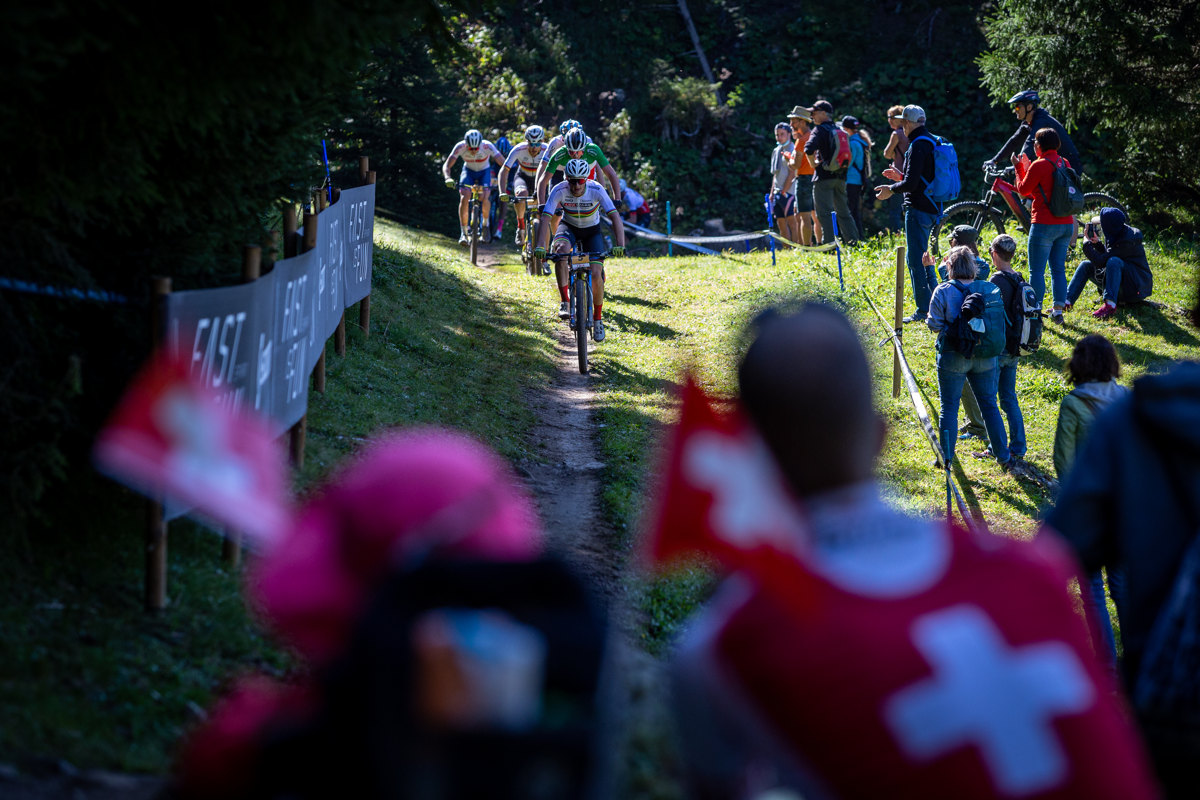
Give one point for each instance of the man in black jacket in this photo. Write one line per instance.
(1033, 118)
(829, 178)
(920, 213)
(1118, 267)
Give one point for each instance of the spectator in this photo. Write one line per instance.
(966, 236)
(1118, 267)
(829, 177)
(638, 209)
(954, 369)
(1093, 370)
(810, 228)
(919, 211)
(1132, 501)
(1002, 250)
(860, 167)
(843, 700)
(1049, 236)
(895, 149)
(783, 181)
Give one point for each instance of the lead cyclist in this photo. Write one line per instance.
(580, 202)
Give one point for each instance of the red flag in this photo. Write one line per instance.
(169, 437)
(723, 496)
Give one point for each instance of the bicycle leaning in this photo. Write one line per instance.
(1000, 201)
(579, 297)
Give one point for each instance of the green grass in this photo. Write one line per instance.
(87, 676)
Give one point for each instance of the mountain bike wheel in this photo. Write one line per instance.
(977, 215)
(581, 322)
(473, 231)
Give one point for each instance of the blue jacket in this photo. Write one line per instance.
(1133, 496)
(858, 156)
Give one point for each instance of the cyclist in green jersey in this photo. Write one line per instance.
(576, 145)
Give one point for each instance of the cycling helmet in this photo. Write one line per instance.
(577, 168)
(1027, 96)
(567, 125)
(473, 138)
(534, 134)
(575, 140)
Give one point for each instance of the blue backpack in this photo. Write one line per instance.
(946, 183)
(984, 336)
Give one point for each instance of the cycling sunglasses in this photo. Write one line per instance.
(574, 181)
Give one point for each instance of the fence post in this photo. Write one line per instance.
(899, 323)
(364, 305)
(298, 431)
(669, 253)
(290, 227)
(156, 523)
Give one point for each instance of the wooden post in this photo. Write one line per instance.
(364, 169)
(339, 337)
(289, 231)
(899, 320)
(156, 523)
(364, 305)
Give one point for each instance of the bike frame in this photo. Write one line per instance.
(1012, 199)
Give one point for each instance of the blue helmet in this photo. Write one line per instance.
(1027, 96)
(567, 125)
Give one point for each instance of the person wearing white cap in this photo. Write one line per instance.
(919, 211)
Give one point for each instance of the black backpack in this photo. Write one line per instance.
(1024, 316)
(1066, 195)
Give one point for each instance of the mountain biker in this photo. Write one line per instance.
(1033, 118)
(526, 156)
(577, 145)
(580, 202)
(476, 154)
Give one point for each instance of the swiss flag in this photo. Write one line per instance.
(723, 496)
(169, 437)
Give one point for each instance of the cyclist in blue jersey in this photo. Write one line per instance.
(580, 203)
(476, 153)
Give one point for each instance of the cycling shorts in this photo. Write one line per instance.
(785, 205)
(804, 195)
(522, 185)
(475, 177)
(591, 240)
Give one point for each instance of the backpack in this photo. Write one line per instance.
(1024, 317)
(946, 182)
(981, 337)
(840, 157)
(1066, 196)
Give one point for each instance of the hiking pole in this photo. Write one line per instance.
(328, 181)
(837, 248)
(770, 225)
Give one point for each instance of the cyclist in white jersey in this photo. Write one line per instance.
(526, 156)
(476, 153)
(580, 203)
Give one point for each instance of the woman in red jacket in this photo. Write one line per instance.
(1049, 236)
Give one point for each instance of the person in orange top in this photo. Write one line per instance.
(1049, 236)
(810, 229)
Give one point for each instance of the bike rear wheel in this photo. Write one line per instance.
(474, 232)
(977, 215)
(581, 322)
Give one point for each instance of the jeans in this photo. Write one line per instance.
(1095, 599)
(1049, 243)
(970, 405)
(895, 212)
(1119, 286)
(829, 196)
(1007, 391)
(982, 373)
(854, 198)
(917, 225)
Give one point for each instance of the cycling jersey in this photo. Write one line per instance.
(583, 211)
(592, 154)
(475, 159)
(552, 147)
(525, 158)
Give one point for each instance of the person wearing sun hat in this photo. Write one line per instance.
(800, 119)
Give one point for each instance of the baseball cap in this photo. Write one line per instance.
(782, 126)
(849, 121)
(964, 234)
(823, 105)
(911, 114)
(801, 112)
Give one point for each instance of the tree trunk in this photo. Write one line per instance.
(708, 74)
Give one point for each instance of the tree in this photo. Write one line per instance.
(1132, 68)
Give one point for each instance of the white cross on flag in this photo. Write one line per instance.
(170, 438)
(722, 496)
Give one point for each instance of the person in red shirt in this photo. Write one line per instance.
(1049, 236)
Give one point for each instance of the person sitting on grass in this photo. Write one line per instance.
(1118, 266)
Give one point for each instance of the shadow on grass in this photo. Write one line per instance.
(635, 301)
(634, 325)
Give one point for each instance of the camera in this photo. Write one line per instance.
(1092, 229)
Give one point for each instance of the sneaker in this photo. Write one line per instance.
(987, 453)
(564, 310)
(487, 235)
(1105, 311)
(1068, 306)
(1056, 317)
(597, 331)
(462, 238)
(518, 237)
(969, 434)
(916, 316)
(545, 268)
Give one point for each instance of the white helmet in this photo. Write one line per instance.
(473, 138)
(575, 140)
(534, 134)
(577, 168)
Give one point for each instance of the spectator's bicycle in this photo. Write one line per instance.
(1000, 201)
(579, 295)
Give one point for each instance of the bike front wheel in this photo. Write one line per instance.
(474, 232)
(581, 322)
(977, 215)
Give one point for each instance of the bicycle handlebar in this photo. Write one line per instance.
(993, 170)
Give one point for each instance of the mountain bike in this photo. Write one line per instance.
(533, 265)
(579, 296)
(1000, 201)
(475, 221)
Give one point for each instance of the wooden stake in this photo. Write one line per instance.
(364, 168)
(364, 305)
(339, 337)
(896, 373)
(290, 247)
(156, 523)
